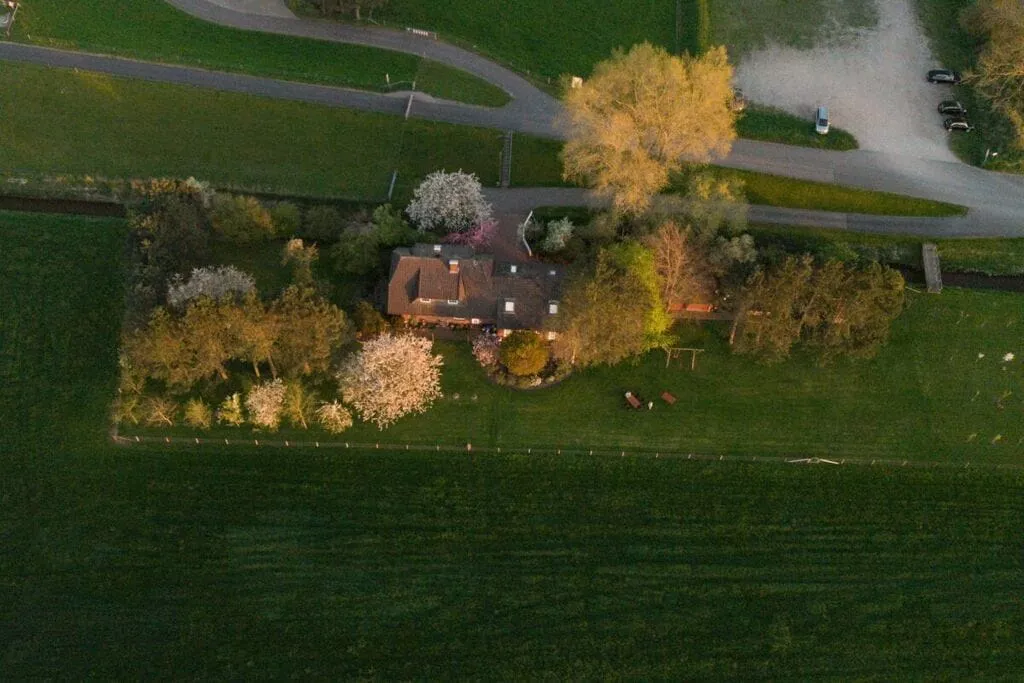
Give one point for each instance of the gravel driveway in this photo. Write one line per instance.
(873, 83)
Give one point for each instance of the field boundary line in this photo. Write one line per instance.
(801, 459)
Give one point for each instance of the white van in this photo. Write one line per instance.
(821, 121)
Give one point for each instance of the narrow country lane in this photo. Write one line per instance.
(996, 200)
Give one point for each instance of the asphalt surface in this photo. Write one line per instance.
(996, 201)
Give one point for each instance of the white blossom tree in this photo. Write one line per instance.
(334, 417)
(391, 376)
(215, 282)
(265, 402)
(558, 234)
(449, 202)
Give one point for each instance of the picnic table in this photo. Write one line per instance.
(632, 400)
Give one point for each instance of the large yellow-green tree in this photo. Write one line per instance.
(999, 72)
(641, 116)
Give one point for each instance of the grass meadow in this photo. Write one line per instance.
(155, 31)
(545, 38)
(939, 392)
(63, 126)
(80, 123)
(239, 562)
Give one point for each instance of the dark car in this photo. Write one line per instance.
(952, 108)
(958, 125)
(944, 76)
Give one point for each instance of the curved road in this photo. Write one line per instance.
(996, 201)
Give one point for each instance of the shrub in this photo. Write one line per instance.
(299, 404)
(321, 224)
(215, 282)
(126, 408)
(301, 258)
(357, 254)
(240, 219)
(198, 414)
(558, 234)
(159, 411)
(230, 411)
(486, 350)
(264, 404)
(368, 320)
(524, 353)
(286, 218)
(334, 417)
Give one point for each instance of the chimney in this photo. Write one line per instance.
(453, 266)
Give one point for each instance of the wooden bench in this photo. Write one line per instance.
(668, 398)
(632, 400)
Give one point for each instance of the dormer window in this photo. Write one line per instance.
(453, 302)
(437, 248)
(510, 305)
(423, 300)
(512, 268)
(552, 272)
(552, 308)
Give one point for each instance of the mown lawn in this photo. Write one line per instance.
(940, 391)
(154, 30)
(91, 124)
(217, 563)
(771, 190)
(775, 125)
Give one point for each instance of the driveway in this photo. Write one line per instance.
(873, 83)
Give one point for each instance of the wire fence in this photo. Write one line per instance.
(384, 446)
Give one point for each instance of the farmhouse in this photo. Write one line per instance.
(449, 284)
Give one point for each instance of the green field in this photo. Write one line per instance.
(545, 38)
(227, 563)
(153, 30)
(91, 124)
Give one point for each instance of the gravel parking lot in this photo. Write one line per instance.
(872, 81)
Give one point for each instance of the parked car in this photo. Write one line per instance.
(947, 76)
(958, 125)
(953, 108)
(821, 121)
(739, 102)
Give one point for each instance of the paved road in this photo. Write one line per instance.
(996, 200)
